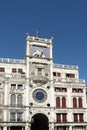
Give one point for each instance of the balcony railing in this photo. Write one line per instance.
(15, 120)
(14, 75)
(62, 66)
(7, 60)
(43, 40)
(69, 80)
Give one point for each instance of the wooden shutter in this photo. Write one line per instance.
(80, 102)
(58, 102)
(74, 102)
(2, 69)
(58, 117)
(63, 102)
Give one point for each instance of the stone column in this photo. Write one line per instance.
(51, 126)
(85, 128)
(9, 128)
(22, 128)
(5, 128)
(27, 84)
(52, 102)
(70, 127)
(27, 127)
(55, 128)
(27, 45)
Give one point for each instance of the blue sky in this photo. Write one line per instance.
(64, 20)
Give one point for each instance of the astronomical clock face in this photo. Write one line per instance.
(39, 95)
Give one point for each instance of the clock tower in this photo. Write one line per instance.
(40, 100)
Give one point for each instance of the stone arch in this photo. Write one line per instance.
(39, 122)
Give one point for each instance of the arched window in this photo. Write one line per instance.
(74, 102)
(58, 102)
(80, 102)
(19, 99)
(63, 102)
(13, 99)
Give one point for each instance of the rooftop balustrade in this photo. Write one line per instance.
(7, 60)
(43, 40)
(62, 66)
(69, 80)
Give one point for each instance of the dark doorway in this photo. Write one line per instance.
(39, 122)
(15, 128)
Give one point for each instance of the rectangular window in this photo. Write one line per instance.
(32, 73)
(20, 70)
(57, 89)
(72, 75)
(58, 74)
(20, 86)
(77, 90)
(39, 71)
(54, 73)
(0, 85)
(64, 117)
(64, 89)
(19, 116)
(2, 69)
(81, 117)
(14, 70)
(58, 116)
(74, 90)
(46, 74)
(13, 116)
(68, 75)
(80, 90)
(75, 117)
(13, 86)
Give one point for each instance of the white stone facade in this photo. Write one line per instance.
(36, 94)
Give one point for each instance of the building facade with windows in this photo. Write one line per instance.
(37, 94)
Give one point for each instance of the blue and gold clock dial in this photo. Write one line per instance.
(39, 95)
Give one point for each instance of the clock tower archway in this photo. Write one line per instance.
(39, 122)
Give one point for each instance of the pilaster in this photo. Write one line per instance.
(70, 127)
(5, 128)
(5, 100)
